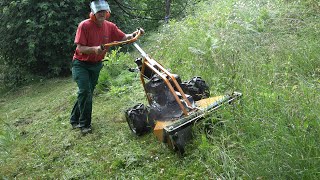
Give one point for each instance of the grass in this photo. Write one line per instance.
(268, 50)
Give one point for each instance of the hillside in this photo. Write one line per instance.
(268, 50)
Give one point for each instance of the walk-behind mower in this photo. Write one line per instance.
(174, 106)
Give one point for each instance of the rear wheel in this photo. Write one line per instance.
(137, 118)
(197, 88)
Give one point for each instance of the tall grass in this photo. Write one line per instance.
(268, 50)
(7, 137)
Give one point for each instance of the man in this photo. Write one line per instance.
(86, 64)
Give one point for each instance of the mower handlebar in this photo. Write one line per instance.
(136, 36)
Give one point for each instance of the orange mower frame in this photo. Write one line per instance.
(173, 130)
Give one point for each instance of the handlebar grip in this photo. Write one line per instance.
(135, 37)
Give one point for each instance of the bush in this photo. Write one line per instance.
(37, 37)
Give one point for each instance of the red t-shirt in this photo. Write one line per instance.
(90, 34)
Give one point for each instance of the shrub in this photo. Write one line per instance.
(37, 37)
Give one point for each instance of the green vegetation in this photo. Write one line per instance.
(37, 38)
(268, 50)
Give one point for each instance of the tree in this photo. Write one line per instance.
(168, 3)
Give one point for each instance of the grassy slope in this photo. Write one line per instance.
(266, 49)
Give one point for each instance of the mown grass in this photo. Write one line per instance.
(268, 50)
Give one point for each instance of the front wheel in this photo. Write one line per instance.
(137, 118)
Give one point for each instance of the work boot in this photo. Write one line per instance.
(86, 130)
(75, 126)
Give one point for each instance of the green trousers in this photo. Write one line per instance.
(86, 76)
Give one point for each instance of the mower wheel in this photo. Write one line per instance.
(137, 118)
(180, 139)
(197, 88)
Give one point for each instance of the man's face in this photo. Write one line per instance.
(101, 16)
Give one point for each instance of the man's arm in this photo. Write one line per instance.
(90, 50)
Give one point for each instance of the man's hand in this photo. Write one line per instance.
(142, 31)
(98, 49)
(136, 32)
(132, 35)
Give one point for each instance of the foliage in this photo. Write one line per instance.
(114, 72)
(37, 37)
(148, 14)
(268, 50)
